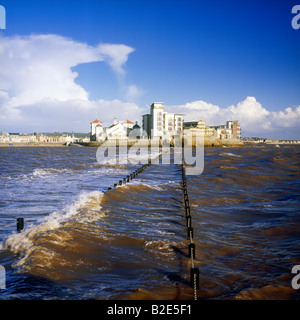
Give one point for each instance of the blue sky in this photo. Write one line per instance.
(214, 59)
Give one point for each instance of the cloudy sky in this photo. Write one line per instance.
(65, 63)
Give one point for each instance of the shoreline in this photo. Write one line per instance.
(208, 142)
(218, 143)
(36, 145)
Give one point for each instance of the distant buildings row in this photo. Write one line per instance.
(37, 139)
(268, 141)
(159, 123)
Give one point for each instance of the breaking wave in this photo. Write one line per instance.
(84, 210)
(48, 171)
(229, 154)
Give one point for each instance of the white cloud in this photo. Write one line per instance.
(253, 117)
(286, 118)
(133, 93)
(251, 114)
(37, 83)
(116, 55)
(67, 115)
(198, 110)
(39, 66)
(38, 91)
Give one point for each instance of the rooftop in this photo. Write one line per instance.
(96, 121)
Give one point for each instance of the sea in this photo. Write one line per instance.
(82, 242)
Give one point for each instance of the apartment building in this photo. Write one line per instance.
(231, 130)
(159, 122)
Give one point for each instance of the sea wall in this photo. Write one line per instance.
(208, 142)
(214, 142)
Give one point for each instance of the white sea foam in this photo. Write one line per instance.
(162, 248)
(150, 186)
(229, 154)
(85, 209)
(43, 173)
(48, 171)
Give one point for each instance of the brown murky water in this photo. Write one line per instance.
(130, 242)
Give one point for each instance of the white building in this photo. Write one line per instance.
(160, 122)
(97, 133)
(231, 130)
(118, 130)
(4, 137)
